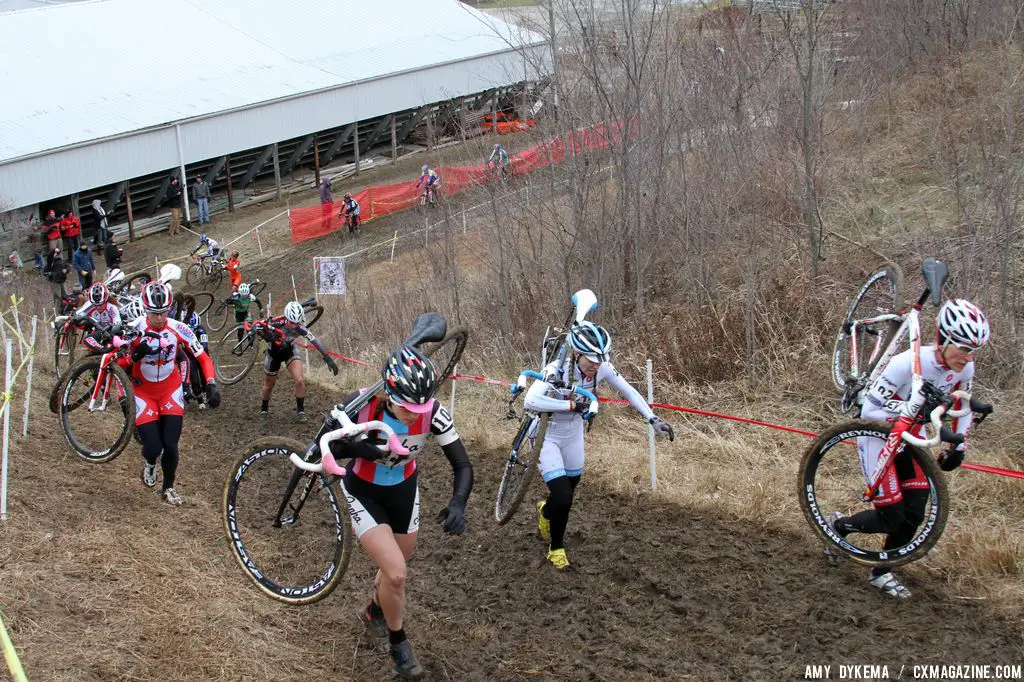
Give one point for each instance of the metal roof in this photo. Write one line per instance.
(92, 70)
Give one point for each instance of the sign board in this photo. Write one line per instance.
(329, 272)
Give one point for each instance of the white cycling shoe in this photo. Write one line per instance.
(889, 586)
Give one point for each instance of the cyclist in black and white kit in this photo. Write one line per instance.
(948, 364)
(383, 489)
(281, 333)
(561, 455)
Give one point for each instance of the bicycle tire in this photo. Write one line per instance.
(520, 467)
(214, 280)
(264, 473)
(225, 359)
(67, 406)
(204, 301)
(318, 309)
(257, 288)
(194, 275)
(454, 344)
(217, 320)
(64, 349)
(140, 278)
(842, 484)
(889, 299)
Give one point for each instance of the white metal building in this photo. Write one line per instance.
(99, 92)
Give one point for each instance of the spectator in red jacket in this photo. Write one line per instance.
(70, 229)
(51, 230)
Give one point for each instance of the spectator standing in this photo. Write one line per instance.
(70, 229)
(234, 268)
(174, 203)
(202, 194)
(83, 263)
(326, 204)
(102, 225)
(112, 253)
(57, 272)
(51, 231)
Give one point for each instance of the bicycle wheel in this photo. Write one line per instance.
(216, 320)
(317, 311)
(289, 530)
(100, 431)
(194, 275)
(446, 354)
(831, 480)
(214, 279)
(65, 348)
(882, 293)
(137, 281)
(520, 466)
(204, 301)
(235, 358)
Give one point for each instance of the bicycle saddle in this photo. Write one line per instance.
(935, 274)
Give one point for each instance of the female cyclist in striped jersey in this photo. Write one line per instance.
(561, 455)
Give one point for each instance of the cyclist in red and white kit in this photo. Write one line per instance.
(948, 364)
(101, 312)
(159, 402)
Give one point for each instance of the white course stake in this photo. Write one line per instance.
(17, 325)
(650, 427)
(393, 243)
(6, 407)
(28, 379)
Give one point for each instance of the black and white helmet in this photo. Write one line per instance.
(591, 341)
(962, 323)
(98, 294)
(156, 297)
(410, 379)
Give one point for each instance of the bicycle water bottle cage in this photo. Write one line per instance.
(935, 274)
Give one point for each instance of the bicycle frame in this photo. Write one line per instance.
(101, 390)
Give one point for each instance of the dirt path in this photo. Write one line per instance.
(101, 581)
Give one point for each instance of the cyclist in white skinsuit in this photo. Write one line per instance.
(961, 329)
(561, 456)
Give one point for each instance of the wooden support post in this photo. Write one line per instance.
(316, 160)
(231, 194)
(131, 216)
(355, 145)
(277, 174)
(394, 141)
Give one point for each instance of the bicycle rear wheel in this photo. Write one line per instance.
(446, 354)
(218, 318)
(831, 480)
(97, 433)
(204, 301)
(882, 293)
(235, 358)
(214, 279)
(520, 466)
(316, 310)
(289, 529)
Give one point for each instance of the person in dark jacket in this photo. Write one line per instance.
(174, 203)
(100, 217)
(326, 204)
(57, 272)
(83, 263)
(112, 253)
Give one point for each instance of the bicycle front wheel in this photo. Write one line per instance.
(65, 347)
(214, 279)
(235, 355)
(881, 294)
(194, 275)
(204, 301)
(289, 529)
(831, 480)
(520, 466)
(446, 354)
(218, 318)
(97, 428)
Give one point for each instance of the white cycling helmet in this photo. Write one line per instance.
(293, 312)
(424, 168)
(132, 310)
(962, 323)
(243, 289)
(591, 341)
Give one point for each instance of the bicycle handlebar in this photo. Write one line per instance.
(348, 430)
(940, 433)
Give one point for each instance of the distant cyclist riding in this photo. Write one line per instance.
(498, 161)
(430, 181)
(350, 212)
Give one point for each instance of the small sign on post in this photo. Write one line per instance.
(330, 275)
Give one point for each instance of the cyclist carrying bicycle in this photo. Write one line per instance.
(899, 506)
(281, 333)
(241, 301)
(350, 211)
(383, 489)
(561, 455)
(159, 402)
(192, 377)
(212, 248)
(103, 315)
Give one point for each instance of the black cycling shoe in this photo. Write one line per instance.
(406, 664)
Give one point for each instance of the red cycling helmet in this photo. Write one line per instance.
(157, 297)
(98, 294)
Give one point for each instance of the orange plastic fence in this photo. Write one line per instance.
(311, 222)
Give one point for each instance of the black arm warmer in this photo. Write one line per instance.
(463, 470)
